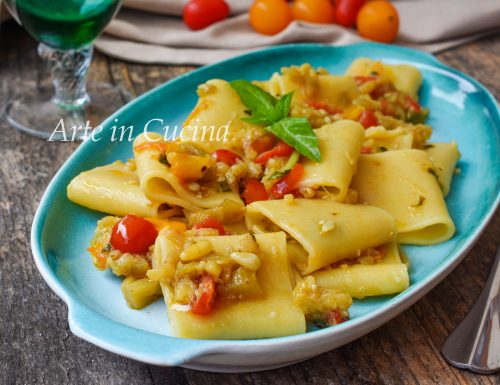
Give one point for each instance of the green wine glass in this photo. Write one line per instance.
(65, 30)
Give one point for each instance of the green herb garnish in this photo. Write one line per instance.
(273, 114)
(224, 186)
(106, 248)
(163, 159)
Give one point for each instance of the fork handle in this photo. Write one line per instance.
(475, 343)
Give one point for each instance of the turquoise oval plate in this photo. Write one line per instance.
(461, 110)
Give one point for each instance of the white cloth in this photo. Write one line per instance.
(151, 31)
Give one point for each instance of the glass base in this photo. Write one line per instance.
(35, 114)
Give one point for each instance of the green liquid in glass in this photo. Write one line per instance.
(66, 24)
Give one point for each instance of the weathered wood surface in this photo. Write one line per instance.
(36, 346)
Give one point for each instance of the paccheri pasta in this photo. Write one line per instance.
(298, 207)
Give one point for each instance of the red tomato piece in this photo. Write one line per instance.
(346, 12)
(366, 150)
(204, 303)
(254, 191)
(281, 149)
(332, 110)
(381, 89)
(413, 104)
(287, 183)
(133, 235)
(363, 79)
(211, 223)
(225, 156)
(368, 119)
(263, 143)
(199, 14)
(334, 317)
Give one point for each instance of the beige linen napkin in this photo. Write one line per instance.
(151, 31)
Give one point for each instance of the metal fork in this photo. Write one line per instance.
(475, 343)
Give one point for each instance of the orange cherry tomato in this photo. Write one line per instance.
(270, 17)
(281, 149)
(210, 223)
(133, 235)
(286, 184)
(199, 14)
(204, 303)
(314, 11)
(225, 156)
(368, 119)
(254, 191)
(378, 20)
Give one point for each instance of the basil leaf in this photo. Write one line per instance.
(272, 113)
(283, 105)
(261, 103)
(298, 133)
(260, 120)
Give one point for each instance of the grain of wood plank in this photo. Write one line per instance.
(37, 347)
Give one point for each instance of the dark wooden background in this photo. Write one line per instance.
(36, 346)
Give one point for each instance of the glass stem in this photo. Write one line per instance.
(69, 70)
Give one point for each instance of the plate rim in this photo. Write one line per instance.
(186, 350)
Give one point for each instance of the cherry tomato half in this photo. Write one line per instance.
(347, 11)
(210, 223)
(270, 17)
(286, 184)
(314, 11)
(263, 143)
(199, 14)
(204, 303)
(225, 156)
(254, 191)
(281, 149)
(133, 235)
(368, 119)
(378, 20)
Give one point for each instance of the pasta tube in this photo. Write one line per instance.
(160, 185)
(404, 183)
(322, 231)
(270, 315)
(114, 189)
(444, 156)
(340, 144)
(386, 277)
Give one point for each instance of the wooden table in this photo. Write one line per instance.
(37, 347)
